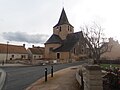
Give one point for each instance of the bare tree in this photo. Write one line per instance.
(96, 41)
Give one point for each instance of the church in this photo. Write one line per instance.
(65, 45)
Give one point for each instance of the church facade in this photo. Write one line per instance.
(64, 44)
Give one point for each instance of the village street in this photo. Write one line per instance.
(19, 78)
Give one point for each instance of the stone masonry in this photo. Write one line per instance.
(92, 77)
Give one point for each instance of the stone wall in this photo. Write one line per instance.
(92, 77)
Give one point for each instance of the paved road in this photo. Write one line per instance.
(18, 78)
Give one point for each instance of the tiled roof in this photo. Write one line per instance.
(54, 39)
(12, 49)
(63, 19)
(70, 41)
(37, 50)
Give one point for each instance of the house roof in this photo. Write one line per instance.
(12, 49)
(63, 19)
(37, 50)
(70, 41)
(54, 39)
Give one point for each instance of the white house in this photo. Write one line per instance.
(35, 53)
(12, 52)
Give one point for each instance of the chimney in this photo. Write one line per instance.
(33, 46)
(23, 45)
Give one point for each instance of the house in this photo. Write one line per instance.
(114, 53)
(12, 52)
(35, 53)
(65, 45)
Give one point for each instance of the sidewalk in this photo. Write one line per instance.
(10, 65)
(62, 80)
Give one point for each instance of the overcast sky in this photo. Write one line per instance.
(32, 21)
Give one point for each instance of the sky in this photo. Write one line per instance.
(31, 22)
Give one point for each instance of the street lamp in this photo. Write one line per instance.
(7, 52)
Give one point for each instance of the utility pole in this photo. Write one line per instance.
(7, 52)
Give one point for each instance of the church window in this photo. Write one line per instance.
(74, 51)
(68, 28)
(58, 55)
(82, 49)
(60, 29)
(56, 27)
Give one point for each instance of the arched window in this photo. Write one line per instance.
(74, 51)
(58, 55)
(60, 29)
(68, 28)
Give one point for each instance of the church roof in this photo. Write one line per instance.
(70, 41)
(63, 19)
(54, 39)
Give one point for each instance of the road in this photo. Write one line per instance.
(19, 78)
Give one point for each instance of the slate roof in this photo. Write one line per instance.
(63, 19)
(54, 39)
(70, 41)
(12, 49)
(37, 50)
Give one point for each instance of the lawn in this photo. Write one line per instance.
(109, 65)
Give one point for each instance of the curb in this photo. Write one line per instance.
(15, 66)
(42, 80)
(2, 78)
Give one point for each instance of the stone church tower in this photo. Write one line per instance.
(63, 27)
(64, 44)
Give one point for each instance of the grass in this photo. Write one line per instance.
(109, 65)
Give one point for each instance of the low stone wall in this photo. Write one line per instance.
(92, 77)
(78, 77)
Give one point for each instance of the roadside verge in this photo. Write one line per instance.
(63, 79)
(2, 78)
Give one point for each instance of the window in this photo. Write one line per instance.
(74, 51)
(12, 56)
(60, 29)
(68, 28)
(39, 56)
(22, 56)
(34, 57)
(58, 55)
(82, 49)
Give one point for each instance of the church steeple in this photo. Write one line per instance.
(63, 19)
(63, 27)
